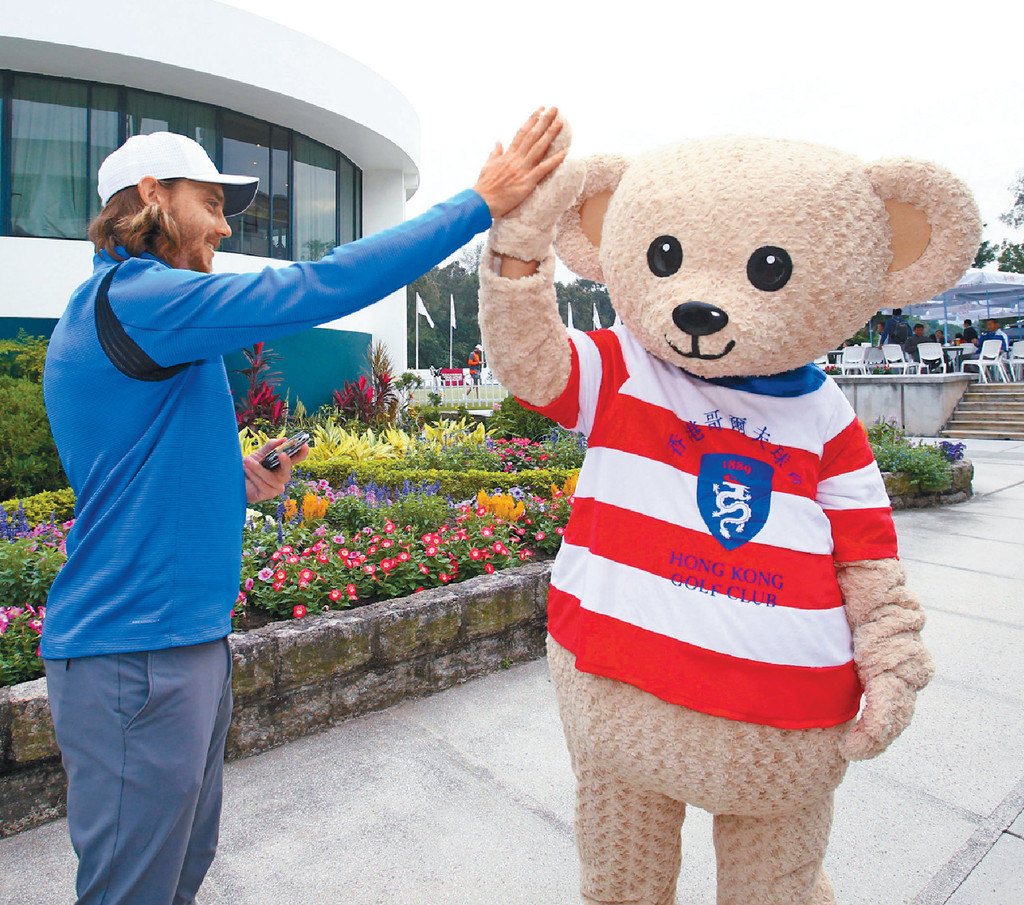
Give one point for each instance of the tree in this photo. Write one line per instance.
(1015, 215)
(986, 252)
(1011, 257)
(584, 294)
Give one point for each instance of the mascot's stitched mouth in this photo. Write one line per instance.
(695, 349)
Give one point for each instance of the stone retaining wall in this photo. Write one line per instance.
(295, 678)
(907, 494)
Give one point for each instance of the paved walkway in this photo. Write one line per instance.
(466, 797)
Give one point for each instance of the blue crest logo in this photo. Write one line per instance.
(734, 494)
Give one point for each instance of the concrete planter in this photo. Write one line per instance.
(905, 493)
(295, 678)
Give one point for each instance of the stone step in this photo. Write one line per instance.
(971, 434)
(985, 410)
(957, 423)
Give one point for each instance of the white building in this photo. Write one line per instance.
(335, 146)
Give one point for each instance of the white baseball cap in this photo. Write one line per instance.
(167, 155)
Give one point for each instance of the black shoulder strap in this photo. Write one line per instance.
(124, 353)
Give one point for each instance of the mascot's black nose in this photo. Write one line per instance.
(699, 318)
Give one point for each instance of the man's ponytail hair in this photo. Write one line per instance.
(126, 221)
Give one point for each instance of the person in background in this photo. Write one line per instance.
(918, 338)
(993, 331)
(475, 362)
(896, 330)
(970, 334)
(135, 639)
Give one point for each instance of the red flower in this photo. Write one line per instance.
(424, 569)
(445, 577)
(489, 569)
(431, 551)
(307, 574)
(389, 526)
(404, 556)
(299, 611)
(475, 553)
(335, 594)
(280, 575)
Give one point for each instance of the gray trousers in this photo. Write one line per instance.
(142, 741)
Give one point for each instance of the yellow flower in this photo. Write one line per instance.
(313, 508)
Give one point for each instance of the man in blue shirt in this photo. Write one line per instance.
(138, 667)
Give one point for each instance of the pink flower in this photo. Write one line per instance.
(431, 551)
(540, 535)
(299, 611)
(339, 539)
(371, 549)
(489, 569)
(307, 574)
(276, 555)
(265, 574)
(387, 543)
(277, 586)
(475, 553)
(389, 526)
(286, 549)
(335, 594)
(404, 556)
(248, 584)
(370, 569)
(499, 547)
(486, 531)
(424, 569)
(292, 560)
(350, 589)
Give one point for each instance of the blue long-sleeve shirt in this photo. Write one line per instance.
(155, 552)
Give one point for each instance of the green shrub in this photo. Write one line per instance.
(27, 569)
(513, 419)
(41, 507)
(458, 484)
(919, 462)
(28, 457)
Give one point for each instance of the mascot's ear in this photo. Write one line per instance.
(578, 242)
(936, 228)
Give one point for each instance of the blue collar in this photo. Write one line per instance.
(105, 258)
(797, 382)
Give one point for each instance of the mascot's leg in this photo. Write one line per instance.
(627, 835)
(628, 840)
(774, 860)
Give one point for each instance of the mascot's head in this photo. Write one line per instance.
(750, 256)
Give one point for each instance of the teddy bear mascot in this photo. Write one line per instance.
(727, 598)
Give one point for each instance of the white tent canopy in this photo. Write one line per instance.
(979, 294)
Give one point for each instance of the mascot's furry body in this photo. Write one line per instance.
(728, 588)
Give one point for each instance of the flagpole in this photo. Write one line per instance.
(416, 314)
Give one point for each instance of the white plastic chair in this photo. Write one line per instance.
(929, 354)
(1016, 360)
(821, 361)
(897, 361)
(991, 356)
(852, 360)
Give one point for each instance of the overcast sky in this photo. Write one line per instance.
(941, 81)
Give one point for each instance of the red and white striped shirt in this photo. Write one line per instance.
(698, 561)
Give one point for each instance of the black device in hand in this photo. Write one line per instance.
(294, 444)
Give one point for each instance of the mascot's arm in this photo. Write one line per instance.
(891, 660)
(527, 345)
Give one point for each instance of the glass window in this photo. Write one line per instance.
(309, 199)
(156, 113)
(247, 153)
(280, 213)
(347, 185)
(49, 157)
(103, 120)
(315, 199)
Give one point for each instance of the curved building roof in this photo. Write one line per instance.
(210, 52)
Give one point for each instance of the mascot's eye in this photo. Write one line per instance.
(665, 256)
(769, 268)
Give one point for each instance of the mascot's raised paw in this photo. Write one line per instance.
(526, 232)
(728, 592)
